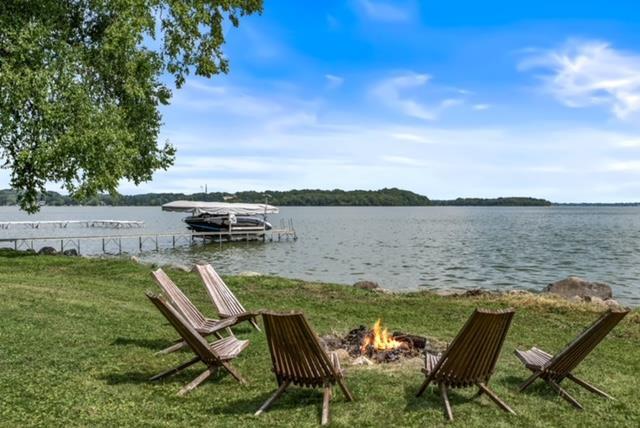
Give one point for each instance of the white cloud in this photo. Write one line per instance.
(590, 73)
(407, 136)
(623, 166)
(403, 160)
(632, 143)
(383, 11)
(481, 107)
(333, 81)
(289, 121)
(555, 161)
(200, 96)
(392, 90)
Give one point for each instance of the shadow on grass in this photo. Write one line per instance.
(432, 399)
(10, 253)
(538, 388)
(292, 398)
(183, 377)
(154, 344)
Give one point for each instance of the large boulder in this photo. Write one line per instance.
(575, 286)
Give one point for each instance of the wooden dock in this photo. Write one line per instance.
(119, 244)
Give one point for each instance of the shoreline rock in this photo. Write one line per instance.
(47, 251)
(576, 286)
(367, 285)
(249, 273)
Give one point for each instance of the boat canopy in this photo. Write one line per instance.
(219, 208)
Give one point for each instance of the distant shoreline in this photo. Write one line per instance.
(391, 197)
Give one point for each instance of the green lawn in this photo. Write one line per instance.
(77, 338)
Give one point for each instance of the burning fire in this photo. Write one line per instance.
(379, 339)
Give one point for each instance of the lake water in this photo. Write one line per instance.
(402, 248)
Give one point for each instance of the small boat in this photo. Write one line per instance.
(221, 223)
(241, 220)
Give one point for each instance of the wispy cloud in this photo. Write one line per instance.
(623, 166)
(408, 136)
(481, 107)
(632, 143)
(404, 160)
(383, 10)
(392, 92)
(590, 73)
(203, 97)
(333, 81)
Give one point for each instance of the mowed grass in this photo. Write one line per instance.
(77, 339)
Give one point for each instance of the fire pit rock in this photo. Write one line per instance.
(362, 350)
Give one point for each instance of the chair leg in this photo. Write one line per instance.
(181, 344)
(504, 406)
(529, 381)
(197, 381)
(273, 398)
(175, 369)
(325, 406)
(564, 394)
(589, 387)
(173, 348)
(254, 324)
(343, 386)
(445, 401)
(423, 387)
(233, 372)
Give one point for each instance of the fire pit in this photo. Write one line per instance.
(377, 345)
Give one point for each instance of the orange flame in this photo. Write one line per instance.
(379, 339)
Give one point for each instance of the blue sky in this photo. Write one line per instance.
(467, 98)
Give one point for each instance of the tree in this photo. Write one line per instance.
(80, 86)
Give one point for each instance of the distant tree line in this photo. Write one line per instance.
(514, 201)
(304, 197)
(383, 197)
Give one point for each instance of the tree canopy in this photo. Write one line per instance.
(80, 86)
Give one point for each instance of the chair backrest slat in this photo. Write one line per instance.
(472, 355)
(222, 297)
(179, 299)
(296, 353)
(577, 350)
(195, 341)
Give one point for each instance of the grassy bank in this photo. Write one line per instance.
(77, 339)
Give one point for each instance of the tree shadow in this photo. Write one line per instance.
(292, 398)
(127, 378)
(154, 344)
(431, 398)
(10, 253)
(538, 388)
(139, 377)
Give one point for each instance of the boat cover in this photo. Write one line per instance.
(219, 208)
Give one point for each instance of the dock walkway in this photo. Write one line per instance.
(107, 224)
(119, 244)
